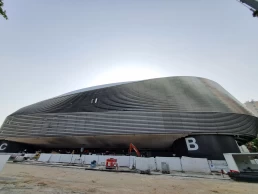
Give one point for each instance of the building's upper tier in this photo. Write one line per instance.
(174, 94)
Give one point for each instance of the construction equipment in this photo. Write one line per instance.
(111, 163)
(37, 155)
(131, 146)
(19, 159)
(93, 164)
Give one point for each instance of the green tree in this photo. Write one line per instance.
(2, 12)
(253, 145)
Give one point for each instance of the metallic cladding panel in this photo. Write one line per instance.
(179, 94)
(173, 105)
(128, 122)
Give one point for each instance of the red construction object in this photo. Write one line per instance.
(111, 163)
(135, 149)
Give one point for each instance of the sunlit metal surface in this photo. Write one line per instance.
(118, 114)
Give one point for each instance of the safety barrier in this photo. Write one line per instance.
(187, 164)
(126, 161)
(218, 165)
(3, 160)
(174, 163)
(145, 164)
(44, 157)
(195, 165)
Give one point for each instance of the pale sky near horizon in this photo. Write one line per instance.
(52, 47)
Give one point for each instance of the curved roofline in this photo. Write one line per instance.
(92, 88)
(119, 83)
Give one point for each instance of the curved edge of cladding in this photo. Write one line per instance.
(175, 94)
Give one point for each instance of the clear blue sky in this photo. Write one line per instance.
(51, 47)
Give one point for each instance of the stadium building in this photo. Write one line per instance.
(182, 116)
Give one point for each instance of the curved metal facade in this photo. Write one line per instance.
(143, 112)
